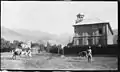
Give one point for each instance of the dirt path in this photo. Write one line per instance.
(48, 61)
(57, 63)
(8, 63)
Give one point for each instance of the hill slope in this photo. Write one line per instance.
(22, 34)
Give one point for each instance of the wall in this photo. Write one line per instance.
(115, 38)
(79, 30)
(104, 50)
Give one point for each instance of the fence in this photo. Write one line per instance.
(104, 50)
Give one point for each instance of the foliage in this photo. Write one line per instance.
(55, 48)
(6, 46)
(38, 45)
(35, 44)
(4, 43)
(17, 43)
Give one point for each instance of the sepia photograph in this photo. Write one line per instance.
(59, 35)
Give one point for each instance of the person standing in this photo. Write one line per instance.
(89, 54)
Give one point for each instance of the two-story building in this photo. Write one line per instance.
(90, 31)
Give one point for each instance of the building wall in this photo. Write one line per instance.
(109, 37)
(90, 30)
(115, 38)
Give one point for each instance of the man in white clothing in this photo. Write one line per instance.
(89, 54)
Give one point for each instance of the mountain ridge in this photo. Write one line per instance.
(22, 34)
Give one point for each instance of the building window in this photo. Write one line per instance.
(100, 31)
(80, 41)
(89, 41)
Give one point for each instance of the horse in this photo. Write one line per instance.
(83, 54)
(87, 54)
(16, 52)
(19, 52)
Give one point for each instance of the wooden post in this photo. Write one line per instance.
(48, 49)
(58, 50)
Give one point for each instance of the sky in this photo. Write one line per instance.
(56, 17)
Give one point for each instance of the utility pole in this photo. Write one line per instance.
(63, 50)
(48, 47)
(58, 49)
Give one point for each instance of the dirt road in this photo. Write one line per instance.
(48, 61)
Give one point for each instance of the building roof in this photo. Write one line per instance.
(90, 21)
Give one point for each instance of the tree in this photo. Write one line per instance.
(42, 47)
(17, 43)
(48, 47)
(59, 47)
(5, 45)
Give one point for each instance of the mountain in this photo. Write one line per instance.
(8, 34)
(62, 38)
(11, 35)
(37, 34)
(24, 34)
(5, 31)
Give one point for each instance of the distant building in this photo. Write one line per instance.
(35, 49)
(53, 42)
(90, 31)
(11, 41)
